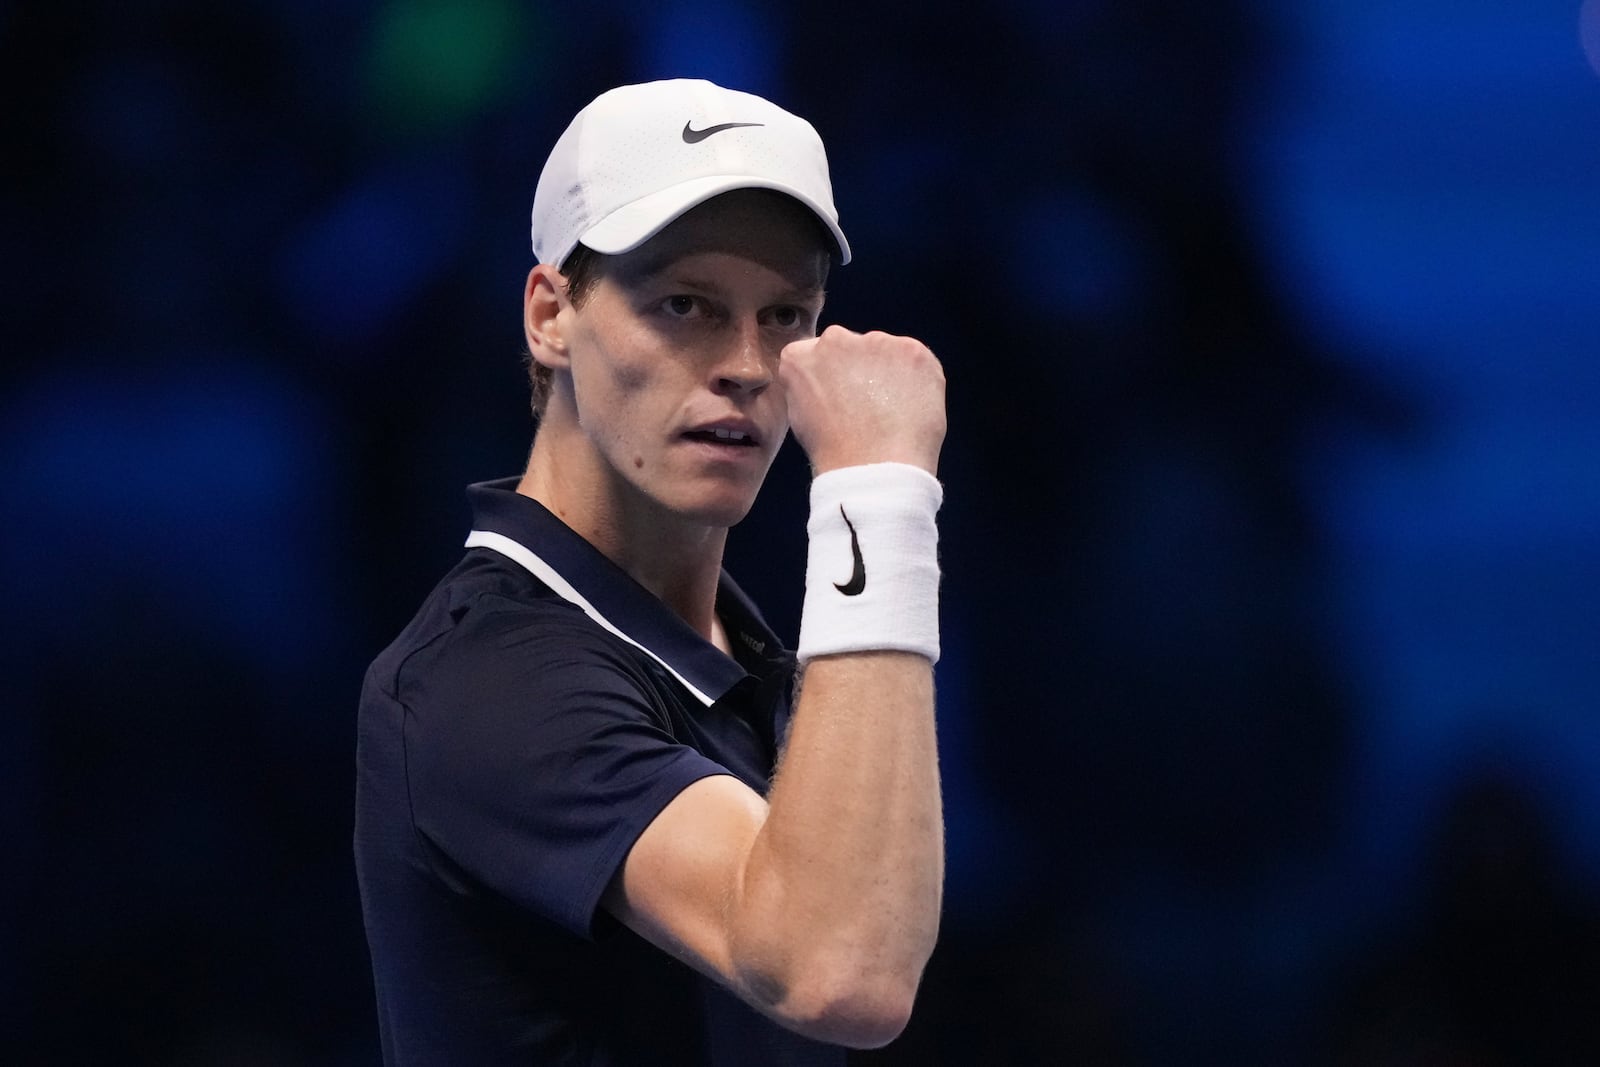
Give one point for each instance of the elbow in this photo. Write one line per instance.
(846, 1006)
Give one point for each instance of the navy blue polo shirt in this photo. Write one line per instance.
(513, 742)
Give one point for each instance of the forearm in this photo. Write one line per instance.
(838, 908)
(836, 905)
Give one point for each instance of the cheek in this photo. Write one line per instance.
(629, 377)
(619, 391)
(609, 375)
(778, 398)
(627, 360)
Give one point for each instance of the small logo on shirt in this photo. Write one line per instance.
(858, 576)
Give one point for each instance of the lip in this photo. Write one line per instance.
(735, 425)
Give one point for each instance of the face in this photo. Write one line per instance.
(674, 355)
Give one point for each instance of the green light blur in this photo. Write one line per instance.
(436, 63)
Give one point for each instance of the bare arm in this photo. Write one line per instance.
(821, 905)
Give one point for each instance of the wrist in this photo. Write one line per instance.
(872, 574)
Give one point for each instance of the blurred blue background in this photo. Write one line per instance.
(1269, 700)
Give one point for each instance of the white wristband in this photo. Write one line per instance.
(872, 570)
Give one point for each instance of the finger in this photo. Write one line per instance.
(799, 348)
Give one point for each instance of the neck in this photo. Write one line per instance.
(677, 560)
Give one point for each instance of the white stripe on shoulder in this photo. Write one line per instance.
(521, 555)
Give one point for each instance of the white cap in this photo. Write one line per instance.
(639, 156)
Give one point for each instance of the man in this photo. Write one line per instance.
(571, 842)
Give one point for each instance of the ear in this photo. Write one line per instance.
(546, 314)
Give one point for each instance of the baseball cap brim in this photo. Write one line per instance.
(632, 224)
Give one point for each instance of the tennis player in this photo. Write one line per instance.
(603, 816)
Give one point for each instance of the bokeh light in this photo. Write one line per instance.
(434, 63)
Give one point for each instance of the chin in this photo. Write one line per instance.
(721, 498)
(723, 505)
(724, 514)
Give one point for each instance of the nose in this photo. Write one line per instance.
(745, 365)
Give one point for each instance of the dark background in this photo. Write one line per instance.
(1272, 542)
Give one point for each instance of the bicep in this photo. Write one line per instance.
(682, 877)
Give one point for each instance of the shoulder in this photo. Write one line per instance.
(490, 632)
(502, 631)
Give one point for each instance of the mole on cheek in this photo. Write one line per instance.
(638, 462)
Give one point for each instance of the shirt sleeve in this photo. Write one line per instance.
(537, 751)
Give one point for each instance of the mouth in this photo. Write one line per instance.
(720, 435)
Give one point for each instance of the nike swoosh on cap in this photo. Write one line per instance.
(694, 136)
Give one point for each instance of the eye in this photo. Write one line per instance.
(680, 306)
(788, 317)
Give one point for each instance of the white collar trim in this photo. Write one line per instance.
(520, 554)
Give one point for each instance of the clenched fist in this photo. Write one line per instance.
(858, 398)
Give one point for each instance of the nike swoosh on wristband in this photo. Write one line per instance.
(858, 576)
(694, 136)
